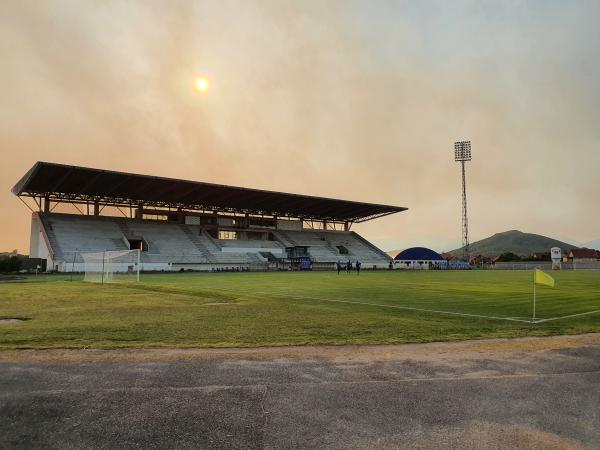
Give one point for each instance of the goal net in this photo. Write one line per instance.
(111, 266)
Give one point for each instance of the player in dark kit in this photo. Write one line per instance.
(338, 266)
(358, 264)
(348, 267)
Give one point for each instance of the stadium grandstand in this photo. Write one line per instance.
(188, 225)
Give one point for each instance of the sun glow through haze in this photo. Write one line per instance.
(201, 84)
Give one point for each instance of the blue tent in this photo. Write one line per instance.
(418, 254)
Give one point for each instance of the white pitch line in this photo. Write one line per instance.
(566, 317)
(511, 319)
(403, 307)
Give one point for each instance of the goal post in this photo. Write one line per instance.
(111, 266)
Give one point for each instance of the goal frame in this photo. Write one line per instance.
(106, 265)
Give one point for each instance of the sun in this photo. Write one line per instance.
(201, 84)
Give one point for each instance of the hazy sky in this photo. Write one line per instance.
(359, 100)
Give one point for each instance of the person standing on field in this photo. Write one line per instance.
(348, 267)
(358, 264)
(338, 266)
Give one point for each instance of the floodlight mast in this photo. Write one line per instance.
(462, 154)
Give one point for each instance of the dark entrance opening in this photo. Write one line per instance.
(138, 244)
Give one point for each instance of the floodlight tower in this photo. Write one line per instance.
(462, 154)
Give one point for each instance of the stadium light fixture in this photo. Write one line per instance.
(462, 151)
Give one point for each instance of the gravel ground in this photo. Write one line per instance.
(540, 393)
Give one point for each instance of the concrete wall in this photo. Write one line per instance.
(291, 225)
(37, 244)
(414, 265)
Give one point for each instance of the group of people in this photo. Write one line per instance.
(348, 266)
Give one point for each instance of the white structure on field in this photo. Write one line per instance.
(556, 257)
(110, 266)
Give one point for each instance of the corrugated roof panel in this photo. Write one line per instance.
(59, 181)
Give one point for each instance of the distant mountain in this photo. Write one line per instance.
(523, 244)
(592, 244)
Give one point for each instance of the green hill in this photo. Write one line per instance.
(523, 244)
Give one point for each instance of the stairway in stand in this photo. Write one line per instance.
(124, 228)
(195, 239)
(282, 237)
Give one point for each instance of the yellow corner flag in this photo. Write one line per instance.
(543, 278)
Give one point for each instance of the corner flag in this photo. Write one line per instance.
(543, 278)
(540, 277)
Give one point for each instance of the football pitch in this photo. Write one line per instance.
(293, 308)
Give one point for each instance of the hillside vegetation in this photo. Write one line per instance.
(522, 244)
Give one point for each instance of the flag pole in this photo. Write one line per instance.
(533, 295)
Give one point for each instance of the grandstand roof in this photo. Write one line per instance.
(66, 183)
(418, 254)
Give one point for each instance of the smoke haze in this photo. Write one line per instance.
(358, 100)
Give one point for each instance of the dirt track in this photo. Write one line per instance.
(334, 353)
(520, 393)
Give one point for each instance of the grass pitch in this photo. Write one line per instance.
(261, 309)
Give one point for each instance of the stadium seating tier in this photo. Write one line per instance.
(174, 243)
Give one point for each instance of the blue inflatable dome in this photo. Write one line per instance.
(418, 254)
